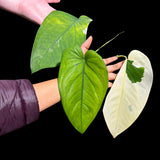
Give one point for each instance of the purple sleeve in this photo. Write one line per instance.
(18, 104)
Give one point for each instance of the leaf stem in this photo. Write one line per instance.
(109, 41)
(122, 56)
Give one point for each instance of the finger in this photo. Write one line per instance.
(110, 84)
(112, 76)
(114, 67)
(85, 46)
(110, 60)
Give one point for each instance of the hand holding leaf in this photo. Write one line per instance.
(83, 82)
(84, 75)
(111, 68)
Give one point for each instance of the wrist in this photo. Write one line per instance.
(35, 12)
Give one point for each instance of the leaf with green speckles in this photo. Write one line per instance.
(58, 31)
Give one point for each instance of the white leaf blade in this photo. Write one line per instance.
(125, 100)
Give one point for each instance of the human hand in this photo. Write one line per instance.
(34, 10)
(111, 68)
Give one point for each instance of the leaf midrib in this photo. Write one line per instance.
(58, 39)
(83, 73)
(122, 93)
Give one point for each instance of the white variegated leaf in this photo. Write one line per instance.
(126, 100)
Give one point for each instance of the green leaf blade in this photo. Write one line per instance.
(59, 31)
(134, 73)
(83, 81)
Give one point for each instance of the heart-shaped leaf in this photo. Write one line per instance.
(58, 31)
(83, 82)
(128, 95)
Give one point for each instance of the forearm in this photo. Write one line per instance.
(10, 5)
(47, 93)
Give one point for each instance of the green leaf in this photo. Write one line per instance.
(134, 73)
(58, 31)
(126, 100)
(83, 82)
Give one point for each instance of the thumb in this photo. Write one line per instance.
(85, 46)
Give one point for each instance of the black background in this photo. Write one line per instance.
(52, 134)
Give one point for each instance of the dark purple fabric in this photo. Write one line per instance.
(18, 104)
